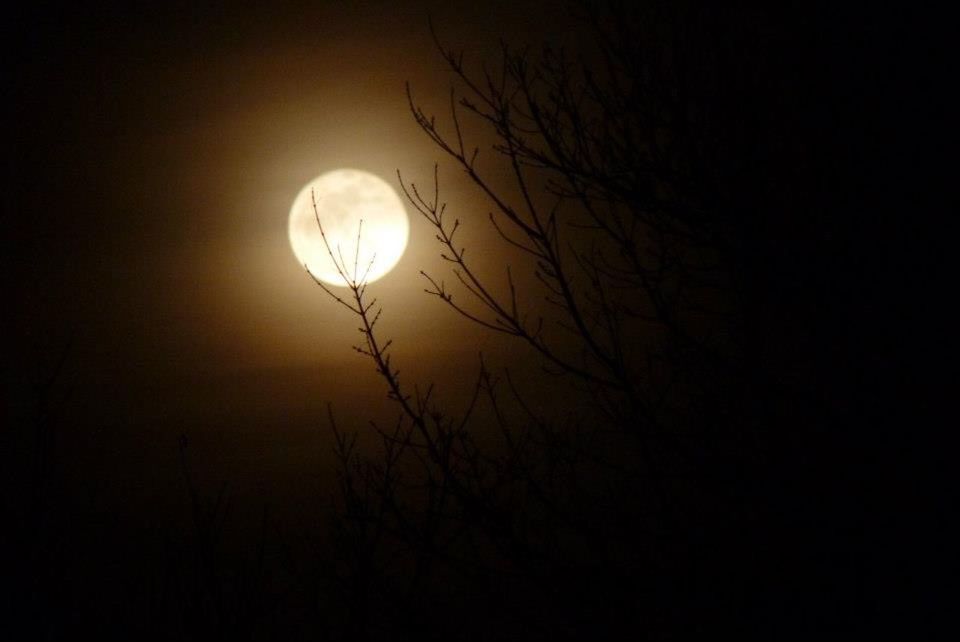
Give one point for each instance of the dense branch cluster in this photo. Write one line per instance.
(606, 207)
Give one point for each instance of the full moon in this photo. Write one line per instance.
(363, 219)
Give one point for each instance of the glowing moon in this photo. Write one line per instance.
(344, 198)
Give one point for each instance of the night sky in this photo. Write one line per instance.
(161, 339)
(172, 143)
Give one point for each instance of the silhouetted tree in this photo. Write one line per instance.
(660, 193)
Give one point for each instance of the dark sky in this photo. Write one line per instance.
(152, 157)
(152, 152)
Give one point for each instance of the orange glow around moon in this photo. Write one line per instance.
(344, 198)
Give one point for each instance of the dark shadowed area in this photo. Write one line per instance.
(733, 434)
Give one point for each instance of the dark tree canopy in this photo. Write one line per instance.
(680, 191)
